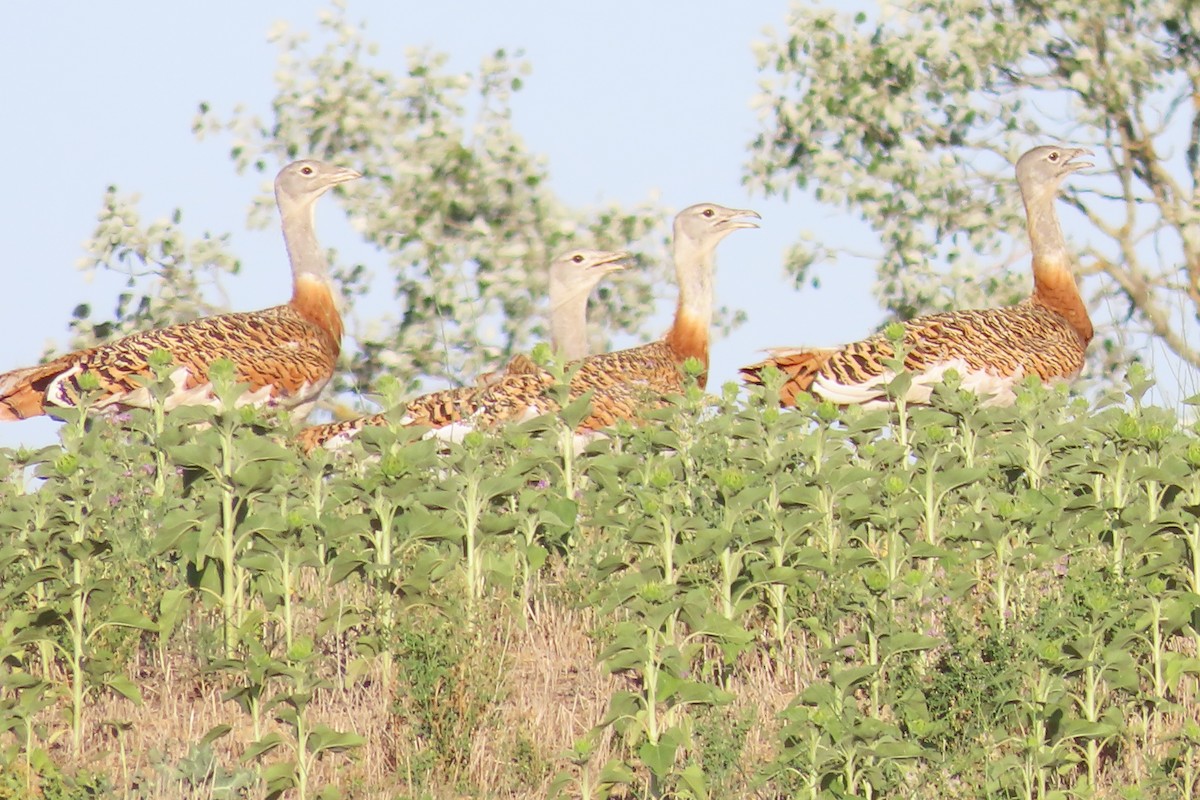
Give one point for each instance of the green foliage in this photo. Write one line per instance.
(445, 697)
(940, 600)
(182, 271)
(459, 210)
(720, 741)
(201, 771)
(911, 115)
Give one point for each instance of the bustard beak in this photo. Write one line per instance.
(617, 263)
(734, 221)
(1072, 165)
(343, 174)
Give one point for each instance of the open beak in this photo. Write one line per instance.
(619, 262)
(735, 219)
(343, 174)
(1075, 153)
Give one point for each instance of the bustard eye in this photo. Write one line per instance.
(578, 259)
(306, 170)
(708, 213)
(1053, 156)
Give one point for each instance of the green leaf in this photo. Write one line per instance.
(908, 642)
(693, 778)
(896, 751)
(616, 772)
(280, 778)
(214, 733)
(845, 679)
(263, 746)
(1082, 729)
(123, 686)
(127, 617)
(203, 456)
(326, 739)
(660, 757)
(1176, 665)
(621, 705)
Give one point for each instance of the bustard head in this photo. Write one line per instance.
(300, 183)
(580, 270)
(706, 224)
(1043, 168)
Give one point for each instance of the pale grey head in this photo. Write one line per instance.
(302, 182)
(297, 187)
(581, 270)
(706, 224)
(1043, 168)
(573, 275)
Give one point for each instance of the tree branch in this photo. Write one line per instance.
(1141, 297)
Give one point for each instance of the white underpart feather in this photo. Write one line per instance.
(180, 395)
(997, 390)
(454, 432)
(527, 414)
(582, 439)
(339, 440)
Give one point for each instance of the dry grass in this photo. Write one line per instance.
(529, 685)
(487, 710)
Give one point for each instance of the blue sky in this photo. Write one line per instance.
(102, 94)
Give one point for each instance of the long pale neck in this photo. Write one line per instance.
(694, 271)
(312, 291)
(300, 238)
(568, 322)
(688, 336)
(1053, 280)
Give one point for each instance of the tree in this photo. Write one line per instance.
(460, 211)
(912, 117)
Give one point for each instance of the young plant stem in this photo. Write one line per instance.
(230, 583)
(159, 411)
(1119, 498)
(566, 450)
(932, 499)
(76, 625)
(385, 515)
(902, 433)
(470, 513)
(1003, 549)
(1036, 458)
